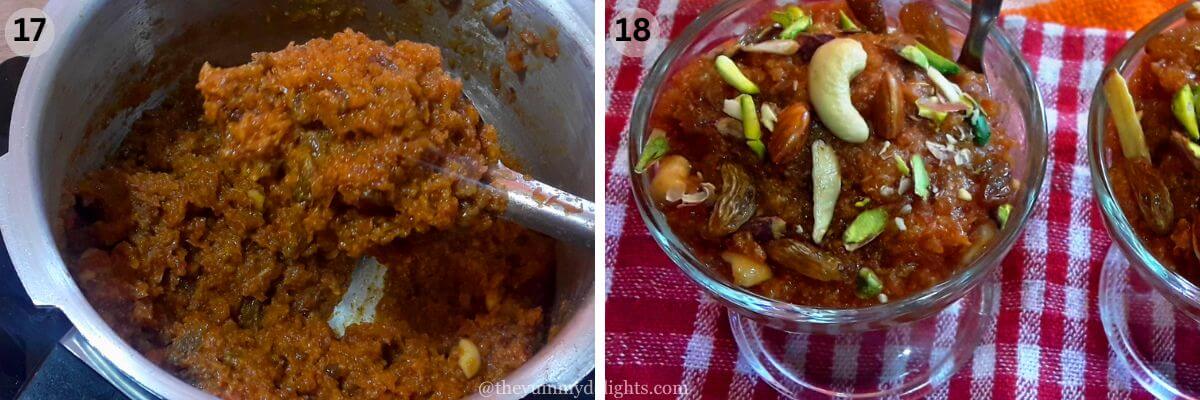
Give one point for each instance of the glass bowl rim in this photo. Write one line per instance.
(797, 316)
(1118, 226)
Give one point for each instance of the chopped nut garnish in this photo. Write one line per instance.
(920, 177)
(656, 147)
(1183, 106)
(770, 115)
(733, 76)
(1002, 214)
(902, 165)
(1125, 117)
(827, 184)
(865, 228)
(846, 23)
(798, 22)
(469, 359)
(869, 284)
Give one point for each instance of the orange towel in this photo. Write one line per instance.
(1108, 14)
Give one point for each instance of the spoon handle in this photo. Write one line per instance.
(546, 209)
(983, 16)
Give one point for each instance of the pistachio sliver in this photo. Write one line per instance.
(948, 89)
(1129, 128)
(798, 24)
(869, 285)
(920, 177)
(827, 184)
(781, 18)
(750, 125)
(915, 56)
(942, 64)
(656, 147)
(901, 165)
(733, 76)
(979, 123)
(794, 13)
(865, 228)
(1185, 111)
(1196, 100)
(846, 23)
(757, 147)
(1002, 214)
(924, 111)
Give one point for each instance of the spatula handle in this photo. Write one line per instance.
(546, 209)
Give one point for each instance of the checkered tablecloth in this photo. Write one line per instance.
(1048, 341)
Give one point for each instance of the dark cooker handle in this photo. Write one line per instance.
(32, 363)
(10, 75)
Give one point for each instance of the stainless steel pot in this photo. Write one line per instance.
(68, 94)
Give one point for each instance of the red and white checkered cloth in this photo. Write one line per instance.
(1048, 342)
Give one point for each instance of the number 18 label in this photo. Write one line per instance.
(633, 31)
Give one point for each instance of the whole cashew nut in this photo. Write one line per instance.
(834, 64)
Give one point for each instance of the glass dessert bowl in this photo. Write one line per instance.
(828, 174)
(1141, 145)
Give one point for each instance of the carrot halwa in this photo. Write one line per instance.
(1155, 172)
(220, 236)
(825, 159)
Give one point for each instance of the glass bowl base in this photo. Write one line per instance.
(903, 360)
(1147, 333)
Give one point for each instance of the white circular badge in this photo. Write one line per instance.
(633, 31)
(29, 32)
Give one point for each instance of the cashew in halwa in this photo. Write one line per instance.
(747, 271)
(833, 65)
(672, 177)
(468, 357)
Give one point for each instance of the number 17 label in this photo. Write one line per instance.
(29, 32)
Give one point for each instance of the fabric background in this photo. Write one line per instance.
(1048, 342)
(1108, 14)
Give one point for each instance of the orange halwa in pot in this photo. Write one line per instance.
(220, 236)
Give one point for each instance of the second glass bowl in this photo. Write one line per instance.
(909, 343)
(1144, 306)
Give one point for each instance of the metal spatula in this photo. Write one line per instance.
(544, 208)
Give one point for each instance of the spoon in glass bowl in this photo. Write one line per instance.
(983, 17)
